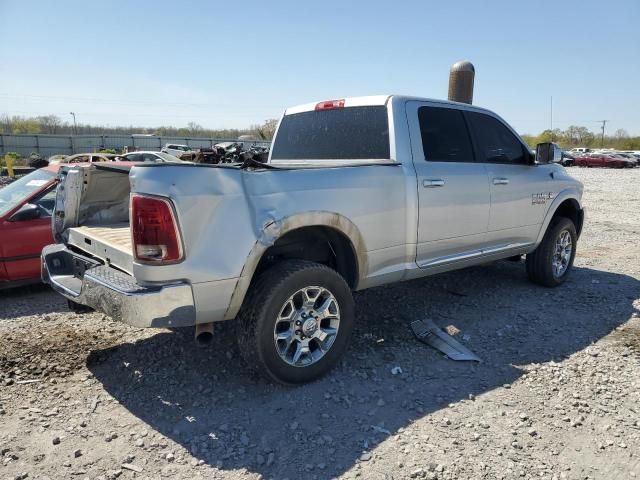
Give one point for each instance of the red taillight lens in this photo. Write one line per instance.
(330, 104)
(154, 230)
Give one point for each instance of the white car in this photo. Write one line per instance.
(150, 157)
(175, 149)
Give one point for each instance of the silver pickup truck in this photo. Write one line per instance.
(356, 193)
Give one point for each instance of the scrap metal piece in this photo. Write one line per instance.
(431, 334)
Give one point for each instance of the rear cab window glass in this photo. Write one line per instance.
(445, 137)
(351, 133)
(495, 143)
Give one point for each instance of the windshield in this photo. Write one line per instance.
(352, 133)
(15, 193)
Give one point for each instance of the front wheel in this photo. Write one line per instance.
(296, 321)
(549, 264)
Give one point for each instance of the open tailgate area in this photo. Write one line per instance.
(111, 243)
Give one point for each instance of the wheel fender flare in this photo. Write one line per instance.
(567, 194)
(274, 229)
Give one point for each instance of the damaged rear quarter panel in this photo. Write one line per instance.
(229, 217)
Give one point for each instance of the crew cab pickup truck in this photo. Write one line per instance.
(356, 193)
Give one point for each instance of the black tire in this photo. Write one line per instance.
(539, 262)
(262, 305)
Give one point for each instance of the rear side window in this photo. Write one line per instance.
(352, 133)
(494, 141)
(445, 137)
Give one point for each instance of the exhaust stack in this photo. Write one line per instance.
(204, 334)
(461, 78)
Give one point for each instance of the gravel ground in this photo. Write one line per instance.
(557, 394)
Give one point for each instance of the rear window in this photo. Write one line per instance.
(352, 133)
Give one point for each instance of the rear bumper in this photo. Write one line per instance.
(87, 282)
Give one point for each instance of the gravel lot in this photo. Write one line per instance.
(557, 394)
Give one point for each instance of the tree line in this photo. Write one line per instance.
(52, 124)
(577, 136)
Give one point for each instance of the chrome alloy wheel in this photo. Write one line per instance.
(307, 326)
(561, 254)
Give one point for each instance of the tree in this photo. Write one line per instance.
(25, 125)
(621, 134)
(5, 123)
(50, 123)
(268, 129)
(194, 128)
(580, 136)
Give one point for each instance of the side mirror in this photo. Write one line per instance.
(548, 153)
(28, 211)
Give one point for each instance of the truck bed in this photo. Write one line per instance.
(111, 243)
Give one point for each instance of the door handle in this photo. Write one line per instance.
(500, 181)
(433, 182)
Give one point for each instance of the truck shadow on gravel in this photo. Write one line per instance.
(206, 401)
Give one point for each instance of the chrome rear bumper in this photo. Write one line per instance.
(87, 282)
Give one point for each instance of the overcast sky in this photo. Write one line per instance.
(236, 63)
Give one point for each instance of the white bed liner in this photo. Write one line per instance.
(110, 243)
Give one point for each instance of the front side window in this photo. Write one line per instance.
(351, 133)
(46, 202)
(80, 159)
(495, 143)
(445, 137)
(150, 157)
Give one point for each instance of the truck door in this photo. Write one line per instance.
(521, 192)
(24, 240)
(453, 189)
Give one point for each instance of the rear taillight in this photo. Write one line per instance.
(330, 104)
(154, 230)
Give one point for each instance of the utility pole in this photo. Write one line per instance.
(551, 119)
(604, 122)
(75, 126)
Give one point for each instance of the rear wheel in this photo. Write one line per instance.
(550, 264)
(296, 321)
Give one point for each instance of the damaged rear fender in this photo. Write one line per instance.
(278, 228)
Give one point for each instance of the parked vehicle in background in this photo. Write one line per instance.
(579, 150)
(83, 158)
(356, 193)
(26, 206)
(229, 146)
(568, 160)
(606, 160)
(632, 158)
(176, 150)
(149, 157)
(54, 159)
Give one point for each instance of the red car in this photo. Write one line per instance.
(602, 160)
(26, 206)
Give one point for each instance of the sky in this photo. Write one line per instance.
(236, 63)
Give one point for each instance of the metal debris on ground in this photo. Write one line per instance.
(431, 334)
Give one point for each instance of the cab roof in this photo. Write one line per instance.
(373, 100)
